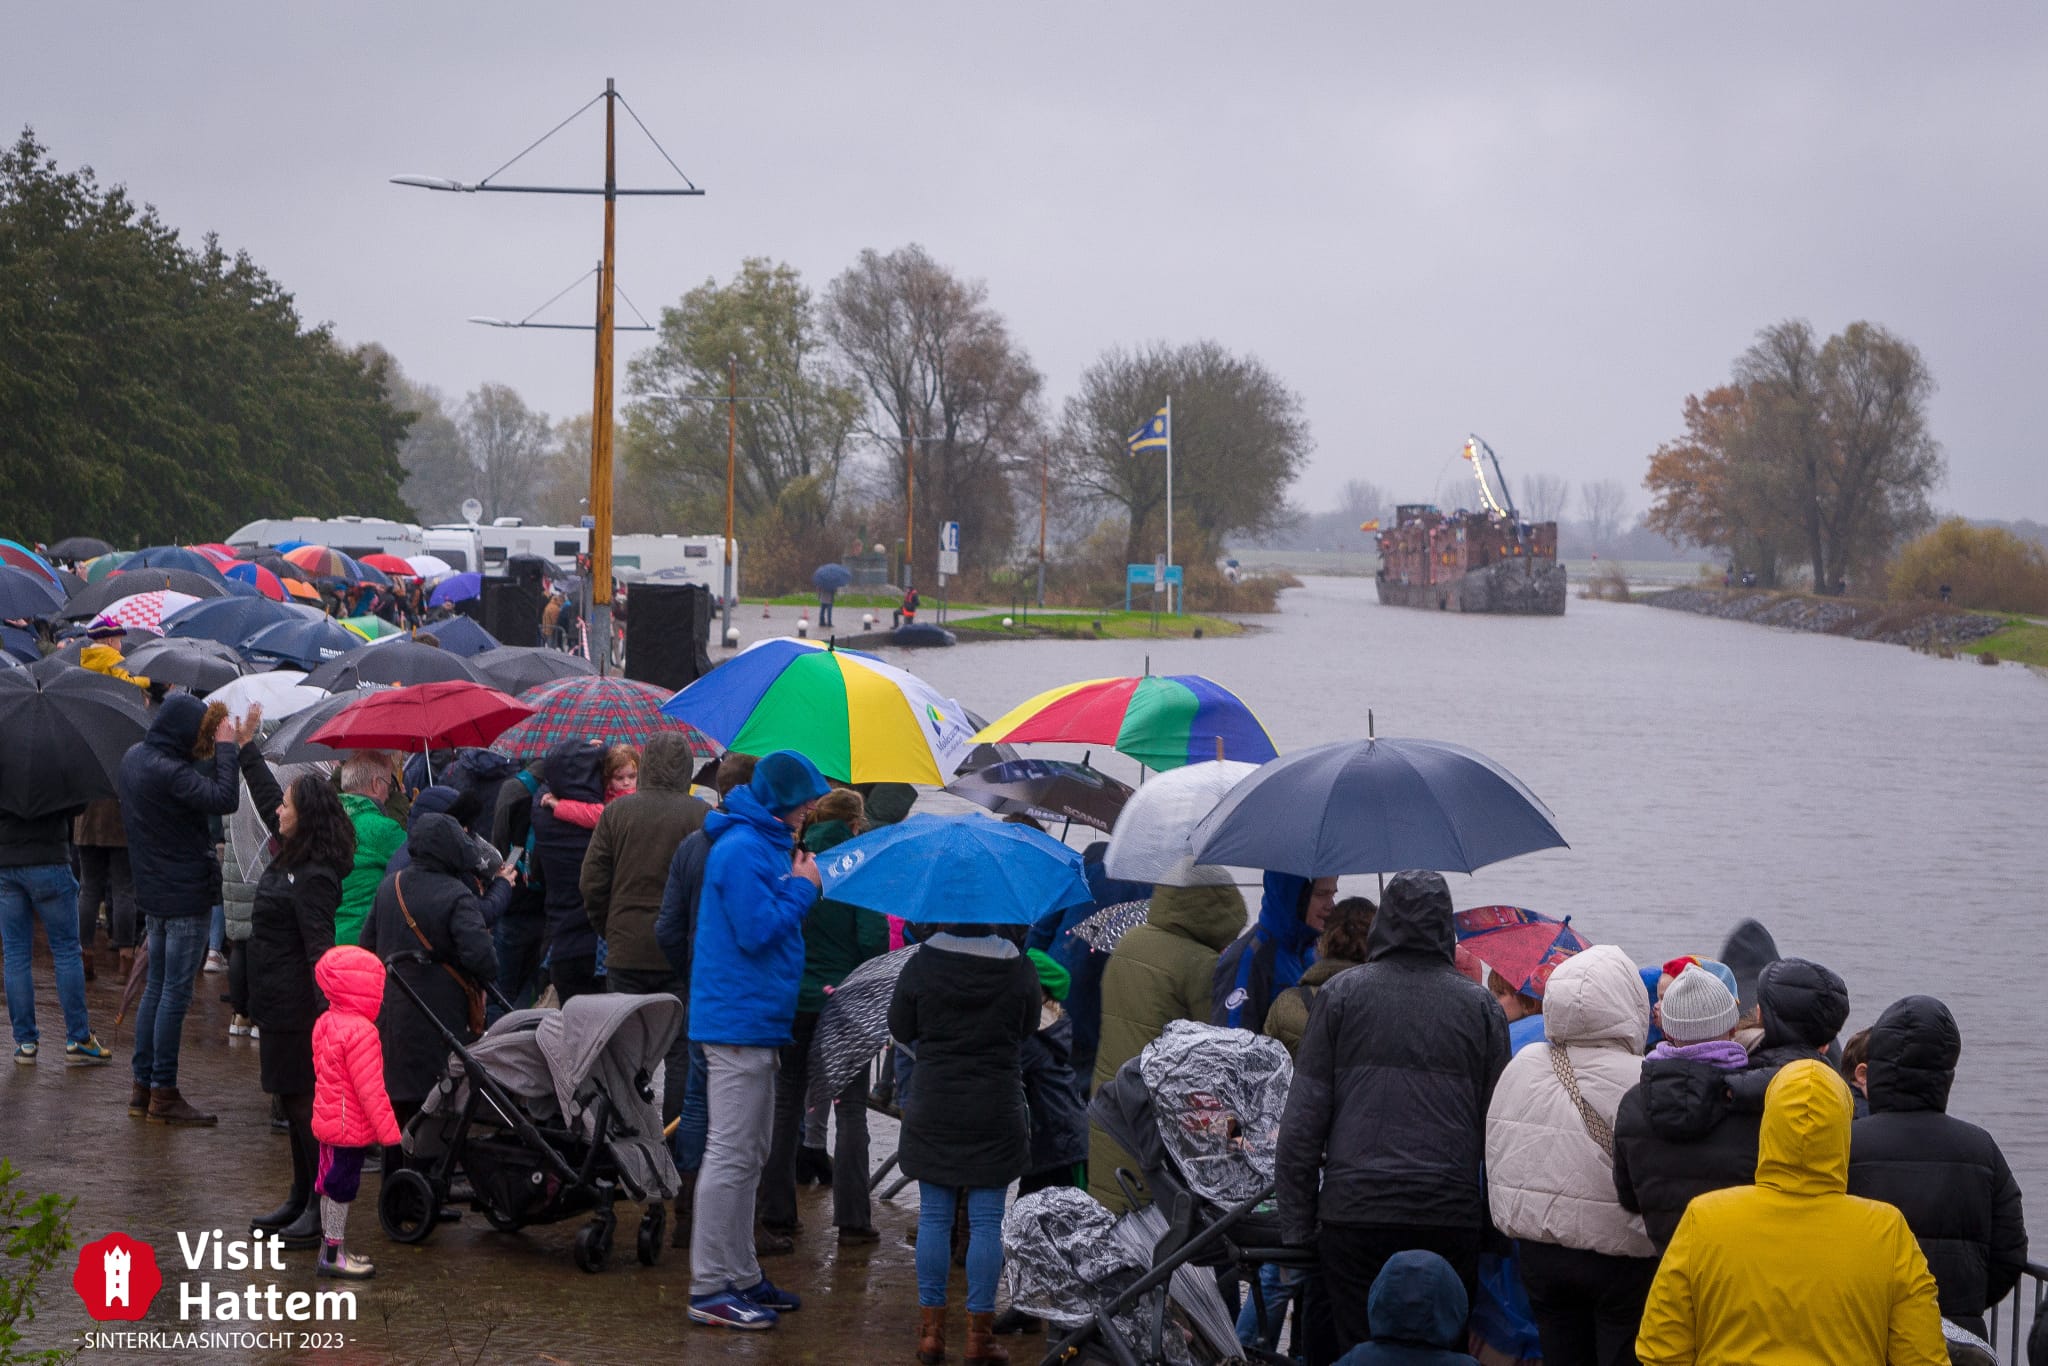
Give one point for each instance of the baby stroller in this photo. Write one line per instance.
(551, 1114)
(1200, 1111)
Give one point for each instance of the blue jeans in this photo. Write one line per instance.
(177, 947)
(693, 1126)
(217, 931)
(1276, 1287)
(935, 1206)
(45, 892)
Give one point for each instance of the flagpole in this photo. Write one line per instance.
(1169, 490)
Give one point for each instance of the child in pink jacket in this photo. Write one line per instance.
(351, 1109)
(621, 779)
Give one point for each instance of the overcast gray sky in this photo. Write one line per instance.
(1546, 224)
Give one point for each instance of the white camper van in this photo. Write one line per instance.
(677, 559)
(350, 535)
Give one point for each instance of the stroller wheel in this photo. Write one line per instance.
(594, 1246)
(653, 1225)
(406, 1205)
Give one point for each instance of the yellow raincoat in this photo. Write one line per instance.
(1794, 1270)
(105, 659)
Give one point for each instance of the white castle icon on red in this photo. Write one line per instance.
(114, 1262)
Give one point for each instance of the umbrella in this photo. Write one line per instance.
(831, 578)
(280, 693)
(1150, 842)
(436, 715)
(461, 636)
(1523, 946)
(1376, 806)
(371, 627)
(221, 555)
(858, 719)
(100, 566)
(293, 743)
(853, 1026)
(367, 573)
(323, 563)
(230, 620)
(389, 564)
(1161, 722)
(144, 611)
(277, 564)
(428, 566)
(79, 548)
(24, 596)
(194, 664)
(1046, 789)
(18, 646)
(983, 755)
(66, 730)
(249, 572)
(520, 669)
(104, 593)
(21, 557)
(963, 869)
(1101, 930)
(173, 557)
(611, 710)
(400, 661)
(456, 588)
(305, 643)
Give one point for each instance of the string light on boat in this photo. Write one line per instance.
(1472, 448)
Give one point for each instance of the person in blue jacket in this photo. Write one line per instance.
(1417, 1309)
(746, 965)
(1272, 955)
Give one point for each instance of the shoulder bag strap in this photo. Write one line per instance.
(1599, 1129)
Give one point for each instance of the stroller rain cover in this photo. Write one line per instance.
(1218, 1095)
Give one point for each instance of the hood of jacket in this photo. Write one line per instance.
(574, 771)
(1683, 1098)
(1281, 925)
(1414, 917)
(743, 809)
(439, 844)
(1417, 1298)
(1804, 1004)
(1211, 916)
(1748, 949)
(1596, 997)
(431, 800)
(1323, 969)
(176, 726)
(666, 762)
(1913, 1051)
(1803, 1147)
(823, 835)
(351, 979)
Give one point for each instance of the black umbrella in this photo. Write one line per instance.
(288, 744)
(283, 568)
(398, 661)
(232, 620)
(853, 1026)
(520, 668)
(66, 730)
(25, 596)
(303, 644)
(831, 577)
(461, 636)
(98, 597)
(194, 664)
(79, 548)
(983, 755)
(1046, 790)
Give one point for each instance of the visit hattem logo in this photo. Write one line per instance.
(117, 1277)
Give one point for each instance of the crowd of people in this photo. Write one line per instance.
(1676, 1163)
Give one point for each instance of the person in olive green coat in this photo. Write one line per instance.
(1159, 971)
(1341, 945)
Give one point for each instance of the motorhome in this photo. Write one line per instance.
(677, 559)
(350, 535)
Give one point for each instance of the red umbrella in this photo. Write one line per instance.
(266, 583)
(221, 555)
(425, 716)
(1523, 946)
(390, 564)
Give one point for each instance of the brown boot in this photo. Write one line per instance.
(931, 1335)
(166, 1106)
(982, 1347)
(138, 1099)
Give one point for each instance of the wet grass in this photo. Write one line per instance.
(2022, 640)
(1100, 625)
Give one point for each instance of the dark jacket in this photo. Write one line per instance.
(1417, 1306)
(165, 800)
(1804, 1005)
(675, 927)
(1946, 1176)
(1052, 1095)
(574, 772)
(1405, 1035)
(290, 925)
(1683, 1130)
(1084, 965)
(1266, 959)
(967, 1016)
(838, 937)
(37, 840)
(625, 870)
(445, 905)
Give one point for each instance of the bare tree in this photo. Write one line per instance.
(509, 445)
(1603, 505)
(1544, 497)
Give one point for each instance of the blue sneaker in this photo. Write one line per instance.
(91, 1053)
(25, 1054)
(768, 1296)
(727, 1309)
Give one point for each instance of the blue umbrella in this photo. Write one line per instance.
(456, 588)
(19, 645)
(173, 557)
(303, 644)
(959, 869)
(461, 636)
(24, 596)
(232, 620)
(831, 577)
(1375, 806)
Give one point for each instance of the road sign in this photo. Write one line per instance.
(949, 548)
(1159, 575)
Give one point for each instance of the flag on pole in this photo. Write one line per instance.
(1155, 435)
(1373, 525)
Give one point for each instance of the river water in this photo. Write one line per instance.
(1880, 810)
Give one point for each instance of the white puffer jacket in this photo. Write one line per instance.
(1546, 1177)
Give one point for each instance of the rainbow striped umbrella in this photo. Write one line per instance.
(1162, 722)
(858, 719)
(323, 563)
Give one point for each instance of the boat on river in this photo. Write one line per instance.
(1489, 560)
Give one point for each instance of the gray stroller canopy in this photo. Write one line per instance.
(1217, 1097)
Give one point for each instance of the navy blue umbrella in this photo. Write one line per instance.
(461, 636)
(304, 644)
(1375, 806)
(232, 620)
(959, 869)
(172, 557)
(25, 596)
(831, 577)
(18, 644)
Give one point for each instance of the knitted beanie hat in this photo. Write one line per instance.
(1697, 1007)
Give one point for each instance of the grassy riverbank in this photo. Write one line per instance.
(1097, 626)
(2022, 640)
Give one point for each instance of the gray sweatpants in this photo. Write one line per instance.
(740, 1089)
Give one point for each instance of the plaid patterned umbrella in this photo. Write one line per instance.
(144, 611)
(612, 710)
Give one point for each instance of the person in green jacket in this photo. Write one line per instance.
(837, 939)
(367, 779)
(1159, 971)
